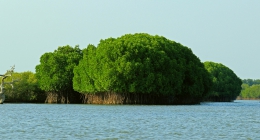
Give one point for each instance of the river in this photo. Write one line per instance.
(232, 121)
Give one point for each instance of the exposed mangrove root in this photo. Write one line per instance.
(132, 98)
(64, 98)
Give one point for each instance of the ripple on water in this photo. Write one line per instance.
(238, 120)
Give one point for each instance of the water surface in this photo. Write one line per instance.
(237, 120)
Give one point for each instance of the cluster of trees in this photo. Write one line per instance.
(251, 82)
(24, 89)
(250, 89)
(133, 68)
(226, 84)
(145, 65)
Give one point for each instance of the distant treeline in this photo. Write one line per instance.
(25, 89)
(131, 69)
(250, 89)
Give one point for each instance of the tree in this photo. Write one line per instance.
(83, 80)
(2, 86)
(251, 82)
(226, 84)
(25, 88)
(250, 89)
(251, 92)
(55, 73)
(141, 64)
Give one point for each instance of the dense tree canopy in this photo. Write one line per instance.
(144, 64)
(24, 89)
(251, 82)
(55, 71)
(250, 92)
(250, 89)
(226, 84)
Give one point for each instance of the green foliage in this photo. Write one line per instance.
(55, 71)
(25, 88)
(83, 73)
(250, 89)
(141, 63)
(252, 92)
(226, 84)
(251, 82)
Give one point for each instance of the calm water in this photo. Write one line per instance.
(237, 120)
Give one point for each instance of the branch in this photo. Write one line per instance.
(8, 72)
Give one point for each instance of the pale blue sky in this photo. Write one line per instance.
(223, 31)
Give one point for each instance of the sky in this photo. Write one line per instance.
(222, 31)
